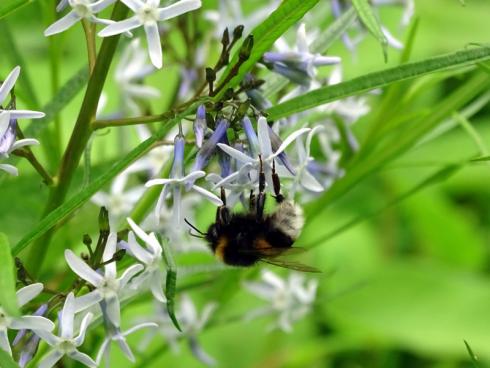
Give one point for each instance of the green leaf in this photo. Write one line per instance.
(473, 357)
(8, 297)
(170, 287)
(6, 360)
(62, 98)
(9, 6)
(265, 34)
(171, 282)
(378, 79)
(371, 21)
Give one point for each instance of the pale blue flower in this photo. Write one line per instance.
(66, 343)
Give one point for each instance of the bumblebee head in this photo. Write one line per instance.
(212, 236)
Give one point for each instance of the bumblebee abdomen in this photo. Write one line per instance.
(288, 219)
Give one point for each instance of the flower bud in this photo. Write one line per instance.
(200, 125)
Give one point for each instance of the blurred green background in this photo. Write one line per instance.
(402, 289)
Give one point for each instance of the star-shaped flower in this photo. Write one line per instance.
(177, 182)
(148, 14)
(80, 9)
(107, 286)
(299, 64)
(151, 257)
(290, 299)
(67, 343)
(265, 155)
(27, 322)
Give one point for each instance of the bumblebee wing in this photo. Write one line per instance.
(292, 265)
(270, 252)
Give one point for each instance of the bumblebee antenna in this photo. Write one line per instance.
(195, 228)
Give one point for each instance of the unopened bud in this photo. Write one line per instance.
(238, 32)
(104, 219)
(246, 48)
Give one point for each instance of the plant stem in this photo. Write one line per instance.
(79, 138)
(27, 154)
(101, 124)
(89, 30)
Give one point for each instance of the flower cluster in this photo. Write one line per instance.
(216, 150)
(147, 14)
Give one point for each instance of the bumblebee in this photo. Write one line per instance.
(244, 239)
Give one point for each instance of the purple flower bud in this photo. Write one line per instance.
(8, 131)
(252, 139)
(224, 159)
(295, 75)
(178, 163)
(200, 125)
(29, 350)
(209, 147)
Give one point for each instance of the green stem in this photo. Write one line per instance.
(29, 156)
(89, 30)
(101, 124)
(79, 138)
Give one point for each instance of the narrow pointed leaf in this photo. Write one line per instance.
(9, 6)
(8, 297)
(371, 21)
(379, 79)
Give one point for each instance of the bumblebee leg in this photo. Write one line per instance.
(277, 184)
(261, 197)
(223, 215)
(252, 201)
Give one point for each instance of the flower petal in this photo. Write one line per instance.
(153, 182)
(113, 310)
(134, 5)
(62, 24)
(82, 358)
(208, 195)
(26, 114)
(178, 8)
(27, 293)
(156, 286)
(32, 323)
(12, 170)
(264, 138)
(9, 83)
(82, 269)
(120, 27)
(47, 336)
(83, 329)
(136, 250)
(67, 317)
(24, 142)
(290, 139)
(86, 301)
(236, 154)
(109, 251)
(4, 342)
(154, 45)
(51, 359)
(129, 273)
